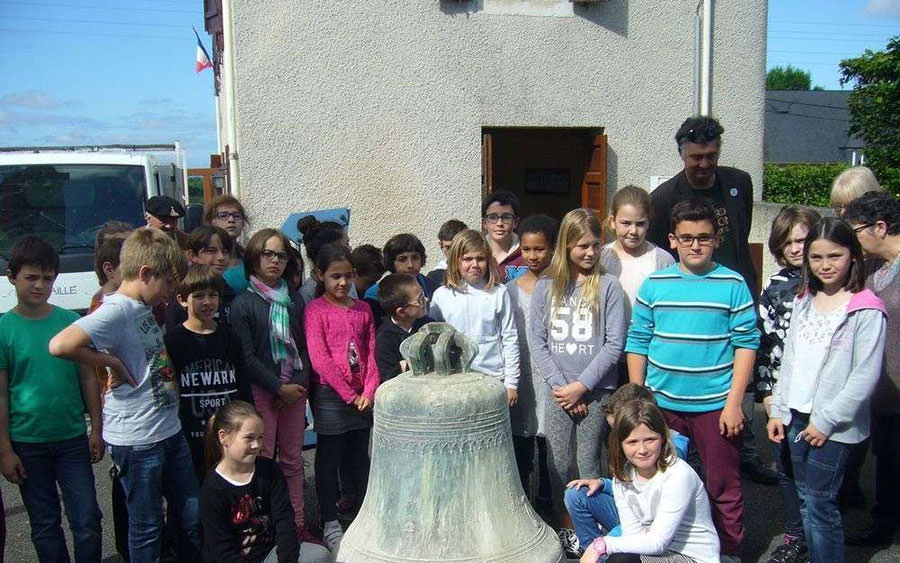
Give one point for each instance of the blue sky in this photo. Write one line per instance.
(816, 35)
(113, 71)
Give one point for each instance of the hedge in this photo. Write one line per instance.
(805, 184)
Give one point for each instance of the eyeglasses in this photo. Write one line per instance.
(495, 218)
(862, 228)
(419, 302)
(224, 215)
(688, 240)
(271, 255)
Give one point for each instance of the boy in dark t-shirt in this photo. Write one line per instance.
(205, 356)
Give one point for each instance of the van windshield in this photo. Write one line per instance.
(65, 204)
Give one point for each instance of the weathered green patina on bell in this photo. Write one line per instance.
(443, 484)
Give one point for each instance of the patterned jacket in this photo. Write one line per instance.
(775, 305)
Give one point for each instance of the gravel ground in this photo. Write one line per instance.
(762, 517)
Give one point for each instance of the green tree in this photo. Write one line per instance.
(789, 78)
(195, 189)
(875, 109)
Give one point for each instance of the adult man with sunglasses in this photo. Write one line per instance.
(730, 191)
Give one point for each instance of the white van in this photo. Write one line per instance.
(64, 195)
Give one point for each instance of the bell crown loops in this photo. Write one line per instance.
(440, 348)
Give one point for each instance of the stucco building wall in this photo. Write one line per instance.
(379, 106)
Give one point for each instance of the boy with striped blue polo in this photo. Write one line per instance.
(692, 342)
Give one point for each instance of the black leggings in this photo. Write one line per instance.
(351, 448)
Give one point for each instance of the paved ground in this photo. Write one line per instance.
(762, 519)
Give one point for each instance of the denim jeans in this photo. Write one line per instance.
(148, 473)
(818, 473)
(790, 501)
(67, 463)
(588, 511)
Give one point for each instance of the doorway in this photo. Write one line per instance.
(552, 171)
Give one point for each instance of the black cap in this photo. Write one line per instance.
(164, 206)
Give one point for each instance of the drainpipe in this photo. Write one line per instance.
(706, 36)
(228, 83)
(697, 61)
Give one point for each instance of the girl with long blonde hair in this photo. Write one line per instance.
(476, 303)
(576, 334)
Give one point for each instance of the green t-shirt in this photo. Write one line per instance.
(45, 402)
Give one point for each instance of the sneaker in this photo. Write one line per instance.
(793, 550)
(332, 533)
(759, 473)
(569, 542)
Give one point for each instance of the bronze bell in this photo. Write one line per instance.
(443, 484)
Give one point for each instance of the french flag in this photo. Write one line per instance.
(203, 61)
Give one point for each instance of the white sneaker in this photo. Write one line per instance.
(332, 534)
(569, 542)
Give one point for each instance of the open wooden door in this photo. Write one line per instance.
(593, 188)
(487, 165)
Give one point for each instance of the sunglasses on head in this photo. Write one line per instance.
(702, 134)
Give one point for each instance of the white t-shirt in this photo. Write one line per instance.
(148, 413)
(670, 512)
(814, 330)
(632, 271)
(635, 271)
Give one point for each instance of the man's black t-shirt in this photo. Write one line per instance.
(727, 253)
(208, 371)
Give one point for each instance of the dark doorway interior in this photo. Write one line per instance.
(551, 170)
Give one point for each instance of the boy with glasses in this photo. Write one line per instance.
(699, 374)
(405, 305)
(500, 217)
(730, 190)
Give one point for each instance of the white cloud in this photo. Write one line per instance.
(27, 126)
(32, 99)
(883, 8)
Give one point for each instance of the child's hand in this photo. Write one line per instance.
(593, 485)
(96, 446)
(290, 393)
(363, 403)
(731, 421)
(12, 467)
(117, 374)
(568, 395)
(579, 409)
(812, 435)
(594, 552)
(512, 396)
(775, 430)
